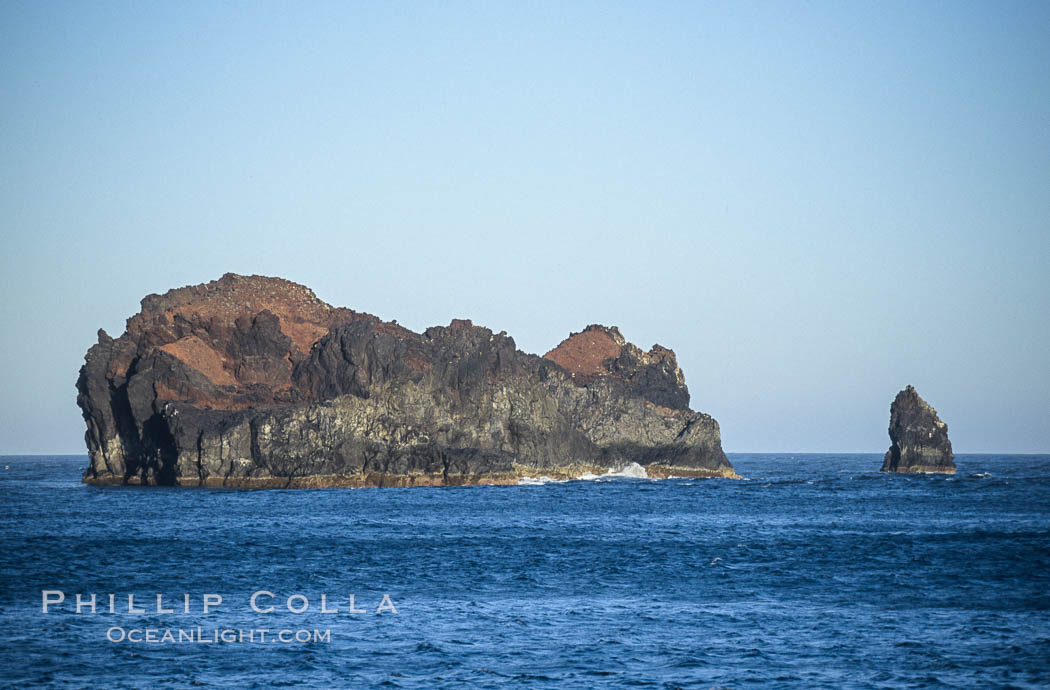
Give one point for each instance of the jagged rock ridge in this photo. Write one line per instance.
(251, 381)
(919, 439)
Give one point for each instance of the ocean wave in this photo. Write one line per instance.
(539, 481)
(631, 471)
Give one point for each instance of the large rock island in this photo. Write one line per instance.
(919, 439)
(250, 381)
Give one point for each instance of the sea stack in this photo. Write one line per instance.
(919, 439)
(249, 381)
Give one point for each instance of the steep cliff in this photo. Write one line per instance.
(919, 439)
(254, 382)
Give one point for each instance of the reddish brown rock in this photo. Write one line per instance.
(588, 354)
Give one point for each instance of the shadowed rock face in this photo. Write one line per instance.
(254, 382)
(919, 439)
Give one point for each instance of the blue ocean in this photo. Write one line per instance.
(814, 571)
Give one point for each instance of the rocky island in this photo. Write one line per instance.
(249, 381)
(919, 439)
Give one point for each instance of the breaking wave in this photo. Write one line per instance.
(631, 471)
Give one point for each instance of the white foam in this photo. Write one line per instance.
(539, 481)
(632, 470)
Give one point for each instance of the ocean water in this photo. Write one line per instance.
(816, 571)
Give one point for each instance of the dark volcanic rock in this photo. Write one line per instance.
(254, 382)
(919, 438)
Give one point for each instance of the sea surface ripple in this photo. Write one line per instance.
(815, 571)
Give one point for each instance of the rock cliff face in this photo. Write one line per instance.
(254, 382)
(919, 439)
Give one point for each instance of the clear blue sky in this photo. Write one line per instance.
(814, 204)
